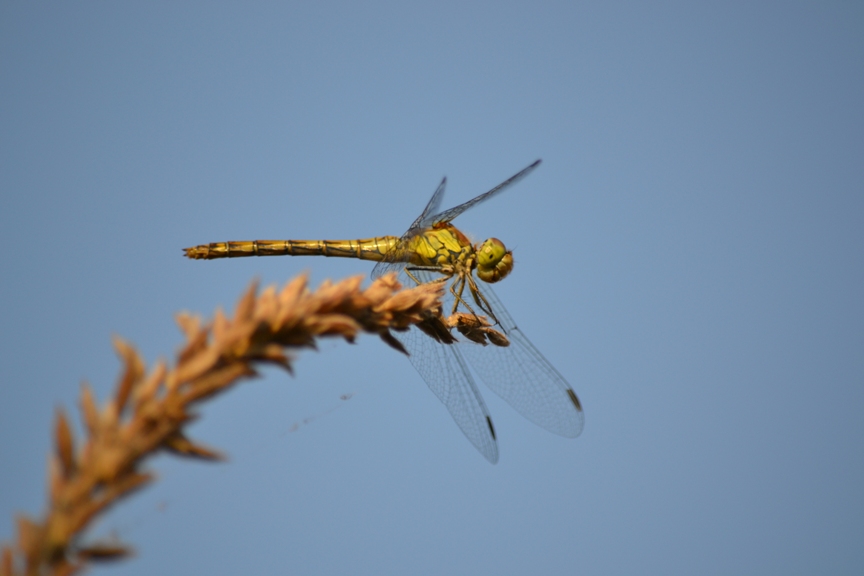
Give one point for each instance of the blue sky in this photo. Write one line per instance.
(690, 255)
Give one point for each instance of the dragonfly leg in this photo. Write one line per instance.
(414, 278)
(480, 299)
(446, 272)
(457, 298)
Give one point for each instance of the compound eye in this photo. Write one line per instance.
(494, 262)
(491, 253)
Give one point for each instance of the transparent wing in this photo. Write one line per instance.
(520, 374)
(447, 375)
(394, 260)
(431, 208)
(448, 215)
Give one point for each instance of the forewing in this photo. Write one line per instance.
(395, 259)
(524, 378)
(447, 375)
(431, 207)
(431, 218)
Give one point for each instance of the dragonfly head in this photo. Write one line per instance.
(494, 261)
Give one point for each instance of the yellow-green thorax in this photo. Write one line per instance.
(445, 248)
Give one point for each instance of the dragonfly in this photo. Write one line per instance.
(433, 250)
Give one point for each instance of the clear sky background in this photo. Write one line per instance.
(690, 255)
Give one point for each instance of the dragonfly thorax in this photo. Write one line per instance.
(494, 261)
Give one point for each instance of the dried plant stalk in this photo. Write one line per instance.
(149, 409)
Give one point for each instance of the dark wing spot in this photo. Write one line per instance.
(492, 428)
(574, 399)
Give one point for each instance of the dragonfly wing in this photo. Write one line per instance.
(387, 266)
(448, 215)
(447, 374)
(520, 374)
(445, 371)
(395, 259)
(431, 207)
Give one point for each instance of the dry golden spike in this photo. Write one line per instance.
(149, 409)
